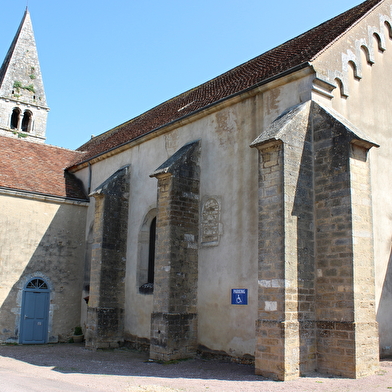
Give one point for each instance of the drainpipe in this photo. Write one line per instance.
(89, 178)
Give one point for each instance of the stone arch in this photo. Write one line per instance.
(388, 26)
(37, 275)
(146, 253)
(366, 51)
(374, 41)
(379, 41)
(352, 61)
(342, 89)
(354, 68)
(37, 283)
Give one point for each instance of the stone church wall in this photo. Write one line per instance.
(226, 239)
(41, 239)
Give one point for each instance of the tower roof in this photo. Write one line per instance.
(20, 74)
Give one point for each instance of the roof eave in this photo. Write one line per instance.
(42, 196)
(283, 74)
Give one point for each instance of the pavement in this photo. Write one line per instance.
(71, 367)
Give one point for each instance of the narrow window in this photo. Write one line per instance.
(15, 118)
(26, 122)
(151, 251)
(146, 258)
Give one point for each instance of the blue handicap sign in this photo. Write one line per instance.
(239, 296)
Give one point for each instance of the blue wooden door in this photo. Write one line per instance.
(34, 317)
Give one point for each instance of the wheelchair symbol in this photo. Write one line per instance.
(239, 296)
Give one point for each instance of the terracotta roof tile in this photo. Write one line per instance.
(38, 168)
(293, 53)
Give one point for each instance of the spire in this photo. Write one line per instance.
(20, 71)
(21, 85)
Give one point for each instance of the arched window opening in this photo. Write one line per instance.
(37, 284)
(146, 258)
(15, 118)
(26, 121)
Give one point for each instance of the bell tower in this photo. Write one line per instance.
(23, 107)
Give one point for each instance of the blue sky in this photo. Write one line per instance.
(105, 62)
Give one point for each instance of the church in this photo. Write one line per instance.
(249, 218)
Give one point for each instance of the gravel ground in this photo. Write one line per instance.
(70, 367)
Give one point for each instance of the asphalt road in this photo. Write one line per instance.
(70, 367)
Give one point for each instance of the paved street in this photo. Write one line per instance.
(70, 367)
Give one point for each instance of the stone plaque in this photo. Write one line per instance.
(210, 222)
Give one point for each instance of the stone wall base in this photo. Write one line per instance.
(134, 342)
(344, 349)
(347, 349)
(104, 328)
(173, 336)
(277, 349)
(206, 353)
(386, 352)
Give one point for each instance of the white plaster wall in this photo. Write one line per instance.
(229, 171)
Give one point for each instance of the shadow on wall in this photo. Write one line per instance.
(58, 259)
(384, 313)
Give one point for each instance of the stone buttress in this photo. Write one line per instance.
(105, 315)
(316, 305)
(174, 317)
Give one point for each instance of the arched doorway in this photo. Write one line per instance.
(35, 312)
